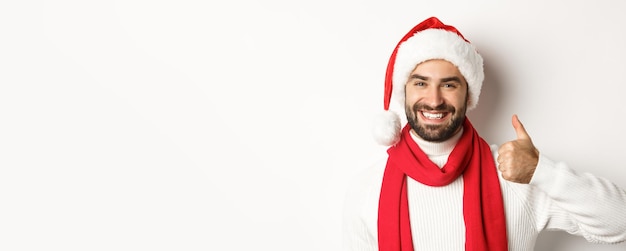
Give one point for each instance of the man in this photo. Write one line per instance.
(444, 188)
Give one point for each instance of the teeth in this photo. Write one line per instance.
(433, 115)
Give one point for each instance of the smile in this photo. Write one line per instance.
(429, 115)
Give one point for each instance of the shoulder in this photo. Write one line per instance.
(368, 181)
(363, 191)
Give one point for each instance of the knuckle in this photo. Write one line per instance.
(508, 146)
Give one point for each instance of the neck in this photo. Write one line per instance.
(435, 149)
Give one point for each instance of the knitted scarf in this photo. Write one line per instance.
(483, 209)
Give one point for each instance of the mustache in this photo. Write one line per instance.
(440, 108)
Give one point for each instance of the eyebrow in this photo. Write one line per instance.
(417, 76)
(451, 79)
(448, 79)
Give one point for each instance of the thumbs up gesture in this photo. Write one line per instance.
(517, 159)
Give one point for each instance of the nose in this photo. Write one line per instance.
(433, 97)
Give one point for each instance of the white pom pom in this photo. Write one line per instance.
(386, 128)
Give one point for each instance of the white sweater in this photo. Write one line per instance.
(557, 198)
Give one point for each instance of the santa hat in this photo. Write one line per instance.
(431, 39)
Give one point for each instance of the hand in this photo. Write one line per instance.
(517, 159)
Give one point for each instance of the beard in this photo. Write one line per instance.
(435, 133)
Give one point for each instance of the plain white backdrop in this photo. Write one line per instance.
(237, 125)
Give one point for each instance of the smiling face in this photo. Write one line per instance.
(436, 97)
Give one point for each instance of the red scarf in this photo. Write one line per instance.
(483, 210)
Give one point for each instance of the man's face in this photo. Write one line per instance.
(436, 99)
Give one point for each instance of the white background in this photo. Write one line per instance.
(237, 125)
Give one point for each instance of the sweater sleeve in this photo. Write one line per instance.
(580, 203)
(360, 211)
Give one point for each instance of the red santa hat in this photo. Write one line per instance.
(430, 39)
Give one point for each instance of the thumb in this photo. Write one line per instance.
(519, 128)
